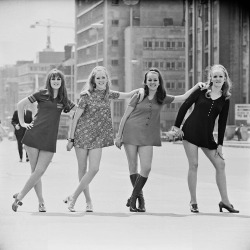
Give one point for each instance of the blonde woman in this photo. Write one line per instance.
(197, 131)
(91, 130)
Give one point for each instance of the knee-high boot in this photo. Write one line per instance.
(141, 201)
(140, 182)
(133, 178)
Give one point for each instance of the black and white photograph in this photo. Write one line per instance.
(124, 125)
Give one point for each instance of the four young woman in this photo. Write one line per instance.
(139, 131)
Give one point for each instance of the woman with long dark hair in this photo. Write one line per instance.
(41, 135)
(139, 131)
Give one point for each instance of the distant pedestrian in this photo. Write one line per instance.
(91, 130)
(20, 131)
(139, 131)
(238, 132)
(197, 131)
(41, 135)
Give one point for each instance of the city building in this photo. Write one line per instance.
(128, 38)
(218, 32)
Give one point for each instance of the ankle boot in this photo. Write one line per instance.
(140, 182)
(141, 208)
(133, 178)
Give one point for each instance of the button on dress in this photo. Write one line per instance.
(199, 126)
(43, 134)
(142, 128)
(94, 128)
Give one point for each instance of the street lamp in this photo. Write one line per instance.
(96, 27)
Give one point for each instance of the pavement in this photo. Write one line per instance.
(167, 224)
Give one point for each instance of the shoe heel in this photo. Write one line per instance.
(220, 209)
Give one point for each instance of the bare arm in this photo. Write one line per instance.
(126, 115)
(20, 108)
(124, 95)
(182, 98)
(75, 119)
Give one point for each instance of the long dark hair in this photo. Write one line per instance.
(161, 92)
(62, 92)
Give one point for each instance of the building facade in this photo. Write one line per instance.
(128, 40)
(218, 32)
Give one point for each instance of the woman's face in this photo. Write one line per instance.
(101, 80)
(152, 80)
(218, 78)
(55, 82)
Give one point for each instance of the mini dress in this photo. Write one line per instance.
(43, 134)
(94, 127)
(142, 128)
(199, 126)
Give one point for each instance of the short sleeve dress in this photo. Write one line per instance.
(142, 128)
(199, 126)
(43, 134)
(94, 128)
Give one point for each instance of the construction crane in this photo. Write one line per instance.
(48, 24)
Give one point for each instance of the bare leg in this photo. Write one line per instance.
(219, 165)
(192, 155)
(132, 157)
(33, 154)
(94, 163)
(43, 161)
(82, 156)
(146, 156)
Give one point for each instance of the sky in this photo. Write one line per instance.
(20, 42)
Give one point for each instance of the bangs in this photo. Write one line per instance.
(56, 74)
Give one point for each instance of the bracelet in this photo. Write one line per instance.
(71, 140)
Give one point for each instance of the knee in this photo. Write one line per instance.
(193, 166)
(221, 167)
(82, 170)
(39, 173)
(94, 171)
(146, 171)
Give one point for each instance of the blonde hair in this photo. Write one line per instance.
(226, 87)
(91, 85)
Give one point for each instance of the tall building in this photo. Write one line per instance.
(218, 32)
(128, 40)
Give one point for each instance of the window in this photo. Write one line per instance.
(115, 2)
(114, 82)
(168, 21)
(114, 42)
(115, 22)
(114, 62)
(157, 64)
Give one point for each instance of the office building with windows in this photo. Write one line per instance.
(128, 40)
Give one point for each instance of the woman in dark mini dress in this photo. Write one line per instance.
(41, 135)
(139, 131)
(197, 131)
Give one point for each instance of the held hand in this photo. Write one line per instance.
(201, 85)
(69, 145)
(27, 125)
(219, 152)
(118, 142)
(179, 133)
(17, 127)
